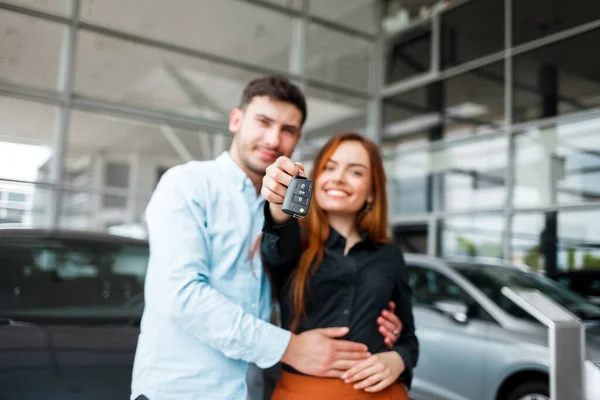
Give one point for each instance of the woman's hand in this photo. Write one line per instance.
(390, 325)
(377, 372)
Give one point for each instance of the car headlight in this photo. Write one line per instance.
(592, 380)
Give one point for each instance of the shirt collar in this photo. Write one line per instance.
(335, 239)
(234, 171)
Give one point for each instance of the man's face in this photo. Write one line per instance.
(265, 130)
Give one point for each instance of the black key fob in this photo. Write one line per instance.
(297, 198)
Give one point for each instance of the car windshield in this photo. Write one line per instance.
(491, 280)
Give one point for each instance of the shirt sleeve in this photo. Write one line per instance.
(280, 247)
(407, 345)
(180, 257)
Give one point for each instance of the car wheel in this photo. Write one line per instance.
(530, 391)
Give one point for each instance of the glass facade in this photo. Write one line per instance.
(98, 100)
(491, 132)
(486, 110)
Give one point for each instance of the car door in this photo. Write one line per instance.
(452, 353)
(70, 310)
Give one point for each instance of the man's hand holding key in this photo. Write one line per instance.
(276, 182)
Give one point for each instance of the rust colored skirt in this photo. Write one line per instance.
(300, 387)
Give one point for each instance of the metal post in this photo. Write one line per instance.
(548, 76)
(566, 340)
(376, 74)
(66, 77)
(436, 43)
(298, 53)
(508, 121)
(132, 187)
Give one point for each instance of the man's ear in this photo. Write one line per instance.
(235, 120)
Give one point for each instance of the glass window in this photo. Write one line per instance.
(474, 101)
(25, 138)
(472, 173)
(407, 174)
(142, 76)
(557, 79)
(72, 278)
(338, 58)
(558, 164)
(356, 14)
(25, 155)
(409, 54)
(576, 245)
(16, 197)
(330, 113)
(534, 19)
(227, 28)
(30, 50)
(477, 235)
(468, 104)
(413, 113)
(472, 30)
(14, 215)
(116, 176)
(104, 151)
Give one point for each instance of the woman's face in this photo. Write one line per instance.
(344, 186)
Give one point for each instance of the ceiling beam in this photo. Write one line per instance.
(176, 143)
(196, 95)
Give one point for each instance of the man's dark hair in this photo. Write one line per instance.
(277, 88)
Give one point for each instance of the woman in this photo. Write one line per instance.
(337, 267)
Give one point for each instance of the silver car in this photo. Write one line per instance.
(476, 344)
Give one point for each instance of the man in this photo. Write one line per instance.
(207, 305)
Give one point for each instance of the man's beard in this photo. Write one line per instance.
(247, 161)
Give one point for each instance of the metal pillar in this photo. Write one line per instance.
(132, 187)
(297, 64)
(566, 340)
(376, 76)
(66, 77)
(510, 142)
(548, 85)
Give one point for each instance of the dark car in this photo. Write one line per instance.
(584, 282)
(70, 308)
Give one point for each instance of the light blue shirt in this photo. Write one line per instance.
(206, 306)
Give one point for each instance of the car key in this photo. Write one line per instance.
(297, 199)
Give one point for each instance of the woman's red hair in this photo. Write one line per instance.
(316, 227)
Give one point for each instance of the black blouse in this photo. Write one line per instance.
(347, 290)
